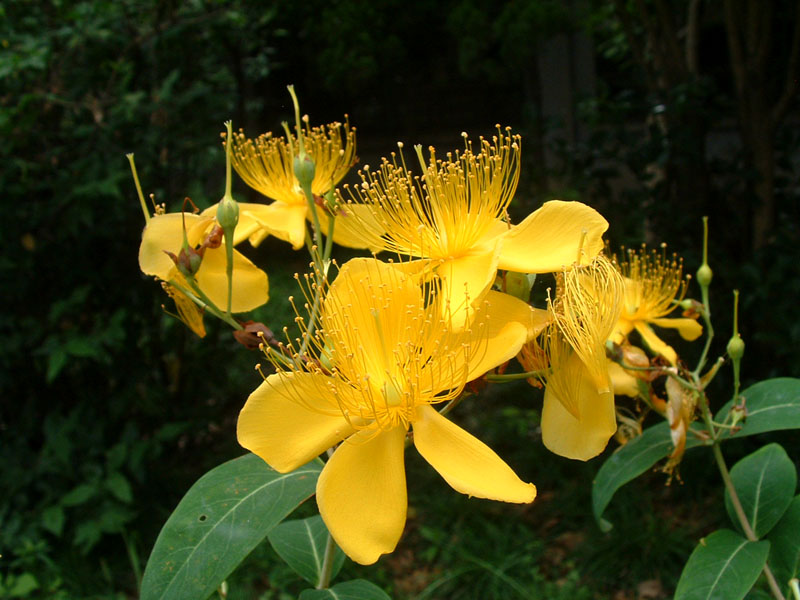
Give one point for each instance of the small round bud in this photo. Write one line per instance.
(304, 170)
(736, 347)
(704, 275)
(687, 304)
(228, 213)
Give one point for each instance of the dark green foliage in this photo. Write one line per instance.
(106, 398)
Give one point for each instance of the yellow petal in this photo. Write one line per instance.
(292, 418)
(550, 238)
(578, 438)
(188, 312)
(621, 330)
(286, 222)
(689, 329)
(367, 306)
(622, 382)
(655, 343)
(165, 233)
(497, 228)
(357, 227)
(465, 279)
(466, 463)
(250, 284)
(361, 494)
(506, 323)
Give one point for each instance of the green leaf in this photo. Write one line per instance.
(765, 482)
(119, 486)
(772, 405)
(23, 585)
(301, 544)
(784, 554)
(55, 362)
(357, 589)
(79, 494)
(723, 565)
(628, 462)
(53, 519)
(224, 515)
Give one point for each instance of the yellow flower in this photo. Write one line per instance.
(653, 286)
(578, 416)
(455, 215)
(164, 233)
(266, 164)
(383, 357)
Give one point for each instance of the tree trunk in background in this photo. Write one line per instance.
(666, 50)
(748, 25)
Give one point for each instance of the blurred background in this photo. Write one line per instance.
(656, 113)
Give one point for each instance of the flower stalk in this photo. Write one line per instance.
(138, 188)
(704, 275)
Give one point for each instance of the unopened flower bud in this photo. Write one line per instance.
(228, 214)
(304, 170)
(736, 347)
(704, 275)
(188, 260)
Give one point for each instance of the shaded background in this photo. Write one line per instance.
(655, 113)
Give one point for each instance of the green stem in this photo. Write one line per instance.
(326, 254)
(327, 564)
(139, 188)
(229, 268)
(704, 286)
(795, 585)
(740, 514)
(736, 360)
(709, 329)
(513, 376)
(198, 297)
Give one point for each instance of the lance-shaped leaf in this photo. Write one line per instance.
(224, 515)
(723, 565)
(301, 544)
(765, 482)
(357, 589)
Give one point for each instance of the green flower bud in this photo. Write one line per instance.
(228, 214)
(736, 347)
(704, 275)
(304, 170)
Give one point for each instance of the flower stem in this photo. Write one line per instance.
(197, 296)
(704, 286)
(327, 564)
(139, 188)
(737, 507)
(513, 376)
